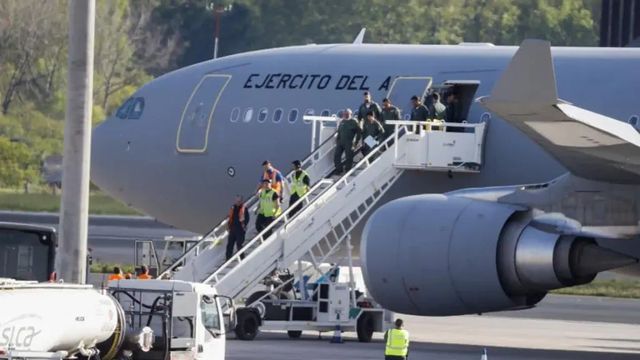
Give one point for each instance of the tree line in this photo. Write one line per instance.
(138, 40)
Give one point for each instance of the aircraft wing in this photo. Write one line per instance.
(588, 144)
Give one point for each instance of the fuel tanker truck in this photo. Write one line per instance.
(132, 319)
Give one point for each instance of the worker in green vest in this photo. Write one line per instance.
(397, 342)
(268, 207)
(299, 186)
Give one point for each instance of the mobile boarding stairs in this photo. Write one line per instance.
(303, 243)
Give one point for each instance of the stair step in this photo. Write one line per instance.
(207, 268)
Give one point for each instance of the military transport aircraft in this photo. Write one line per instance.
(185, 143)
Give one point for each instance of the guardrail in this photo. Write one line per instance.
(430, 146)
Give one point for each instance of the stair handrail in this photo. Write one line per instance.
(214, 234)
(381, 148)
(260, 236)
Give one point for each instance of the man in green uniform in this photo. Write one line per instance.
(299, 186)
(268, 207)
(348, 131)
(440, 111)
(397, 342)
(368, 106)
(419, 112)
(452, 113)
(372, 131)
(389, 112)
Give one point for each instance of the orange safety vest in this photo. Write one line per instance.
(145, 277)
(240, 213)
(116, 277)
(275, 185)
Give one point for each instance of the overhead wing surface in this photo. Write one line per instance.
(588, 144)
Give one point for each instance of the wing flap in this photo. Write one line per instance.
(588, 144)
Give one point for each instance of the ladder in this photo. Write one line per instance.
(331, 209)
(209, 252)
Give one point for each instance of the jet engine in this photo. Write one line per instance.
(442, 255)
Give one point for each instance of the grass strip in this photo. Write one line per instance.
(107, 268)
(99, 203)
(629, 289)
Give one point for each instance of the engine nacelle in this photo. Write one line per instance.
(444, 255)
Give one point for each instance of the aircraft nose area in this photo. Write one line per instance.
(141, 153)
(115, 166)
(106, 157)
(132, 150)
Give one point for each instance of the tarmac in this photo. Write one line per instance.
(273, 347)
(560, 327)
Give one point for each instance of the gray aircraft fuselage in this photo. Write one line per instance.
(225, 110)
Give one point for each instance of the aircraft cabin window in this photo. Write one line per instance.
(325, 112)
(136, 109)
(235, 114)
(263, 114)
(123, 110)
(293, 115)
(277, 115)
(633, 120)
(309, 112)
(248, 115)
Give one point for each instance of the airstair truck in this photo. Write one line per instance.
(269, 274)
(133, 319)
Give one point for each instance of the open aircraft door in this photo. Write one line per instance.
(465, 90)
(198, 113)
(403, 88)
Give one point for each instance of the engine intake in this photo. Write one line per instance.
(446, 255)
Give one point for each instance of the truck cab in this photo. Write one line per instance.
(186, 319)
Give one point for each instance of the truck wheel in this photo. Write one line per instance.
(365, 327)
(294, 334)
(248, 325)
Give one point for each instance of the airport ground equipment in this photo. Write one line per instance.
(132, 319)
(27, 251)
(330, 210)
(172, 247)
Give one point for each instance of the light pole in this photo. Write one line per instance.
(74, 210)
(217, 10)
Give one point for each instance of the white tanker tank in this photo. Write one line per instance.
(55, 318)
(131, 318)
